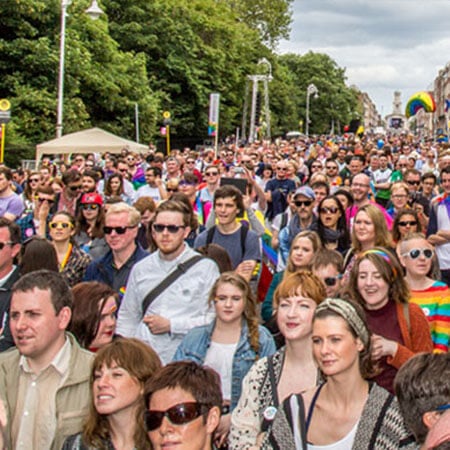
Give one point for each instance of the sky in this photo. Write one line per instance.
(384, 45)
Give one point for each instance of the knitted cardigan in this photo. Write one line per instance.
(380, 427)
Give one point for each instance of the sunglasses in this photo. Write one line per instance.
(178, 415)
(331, 168)
(75, 188)
(316, 167)
(211, 174)
(331, 281)
(405, 223)
(64, 225)
(4, 244)
(42, 200)
(282, 168)
(171, 190)
(118, 230)
(414, 183)
(90, 206)
(299, 203)
(172, 229)
(329, 210)
(416, 252)
(34, 180)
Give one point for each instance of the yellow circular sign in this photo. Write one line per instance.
(5, 105)
(166, 115)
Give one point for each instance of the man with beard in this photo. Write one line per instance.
(183, 304)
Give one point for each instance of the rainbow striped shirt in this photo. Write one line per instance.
(435, 303)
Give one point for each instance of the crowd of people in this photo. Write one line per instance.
(280, 295)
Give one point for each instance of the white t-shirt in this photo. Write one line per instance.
(220, 358)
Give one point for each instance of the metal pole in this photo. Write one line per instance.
(251, 136)
(267, 106)
(136, 118)
(62, 55)
(307, 113)
(244, 113)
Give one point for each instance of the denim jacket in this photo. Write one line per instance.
(195, 345)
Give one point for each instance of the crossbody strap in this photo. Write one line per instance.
(181, 269)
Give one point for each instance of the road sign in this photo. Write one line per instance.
(166, 115)
(5, 111)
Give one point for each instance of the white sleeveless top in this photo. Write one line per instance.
(345, 443)
(220, 358)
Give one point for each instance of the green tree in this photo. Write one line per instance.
(336, 101)
(193, 48)
(101, 82)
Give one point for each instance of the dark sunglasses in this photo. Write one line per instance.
(171, 190)
(316, 167)
(42, 200)
(34, 180)
(416, 252)
(4, 244)
(405, 223)
(299, 203)
(90, 206)
(331, 167)
(64, 225)
(281, 168)
(178, 415)
(211, 174)
(329, 210)
(118, 230)
(75, 188)
(172, 229)
(331, 281)
(415, 183)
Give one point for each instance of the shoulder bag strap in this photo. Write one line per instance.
(181, 269)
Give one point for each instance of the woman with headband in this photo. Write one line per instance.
(400, 330)
(346, 411)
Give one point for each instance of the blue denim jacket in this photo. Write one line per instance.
(195, 345)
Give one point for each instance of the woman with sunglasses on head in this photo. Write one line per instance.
(303, 248)
(116, 414)
(433, 296)
(400, 329)
(332, 226)
(406, 221)
(94, 311)
(90, 221)
(72, 260)
(114, 187)
(231, 343)
(291, 369)
(347, 411)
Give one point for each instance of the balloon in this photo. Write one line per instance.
(380, 144)
(420, 100)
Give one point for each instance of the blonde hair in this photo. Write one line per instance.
(313, 237)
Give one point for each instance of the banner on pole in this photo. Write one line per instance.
(213, 120)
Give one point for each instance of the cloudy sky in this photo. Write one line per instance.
(385, 45)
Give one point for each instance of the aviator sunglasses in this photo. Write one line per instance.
(178, 415)
(416, 252)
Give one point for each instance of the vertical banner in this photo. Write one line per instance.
(213, 120)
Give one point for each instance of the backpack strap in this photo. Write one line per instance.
(244, 232)
(210, 234)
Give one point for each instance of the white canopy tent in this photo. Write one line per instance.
(93, 140)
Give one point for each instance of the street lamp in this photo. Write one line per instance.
(311, 89)
(94, 12)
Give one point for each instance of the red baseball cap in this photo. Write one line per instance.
(92, 198)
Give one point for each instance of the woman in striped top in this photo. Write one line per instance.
(433, 296)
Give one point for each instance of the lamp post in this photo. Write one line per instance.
(94, 12)
(311, 89)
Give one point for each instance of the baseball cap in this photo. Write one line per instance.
(92, 197)
(306, 191)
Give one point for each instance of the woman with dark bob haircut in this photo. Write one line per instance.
(117, 421)
(93, 314)
(346, 411)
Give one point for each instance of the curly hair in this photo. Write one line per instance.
(250, 314)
